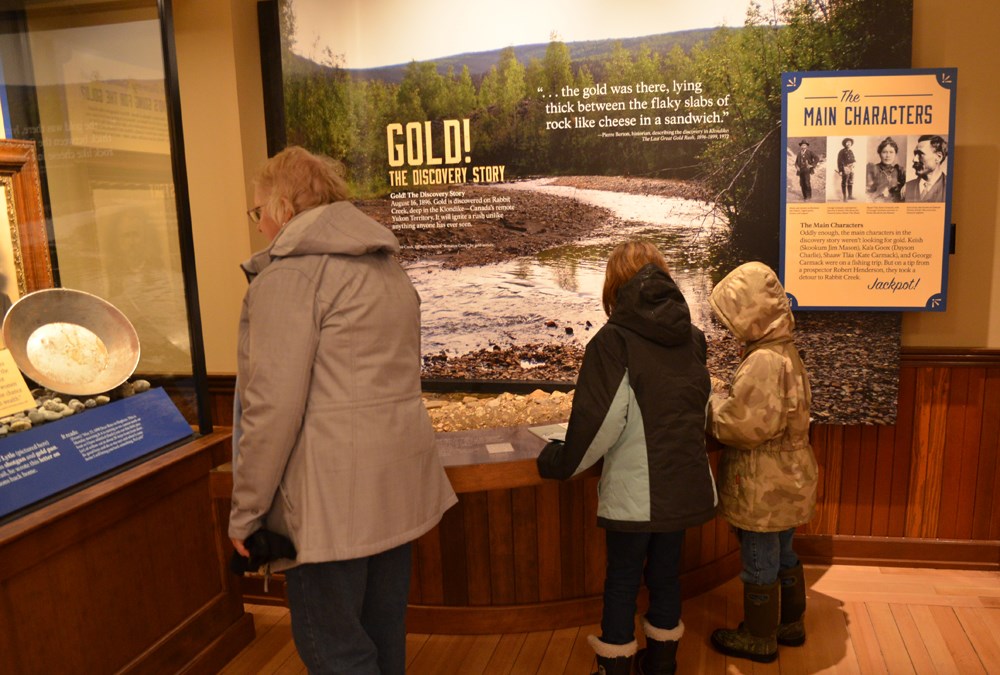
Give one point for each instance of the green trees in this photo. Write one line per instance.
(345, 114)
(743, 170)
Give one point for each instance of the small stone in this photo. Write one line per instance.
(140, 386)
(20, 425)
(102, 399)
(53, 405)
(36, 417)
(51, 415)
(76, 405)
(90, 403)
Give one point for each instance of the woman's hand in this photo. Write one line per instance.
(240, 548)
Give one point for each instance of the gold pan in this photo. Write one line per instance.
(70, 341)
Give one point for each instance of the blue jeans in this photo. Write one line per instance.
(632, 556)
(764, 553)
(349, 616)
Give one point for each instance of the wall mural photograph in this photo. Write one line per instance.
(510, 151)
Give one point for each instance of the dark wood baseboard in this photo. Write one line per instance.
(898, 552)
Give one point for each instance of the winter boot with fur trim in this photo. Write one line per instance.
(660, 655)
(613, 659)
(792, 630)
(755, 638)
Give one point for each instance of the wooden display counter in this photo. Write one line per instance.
(126, 575)
(517, 553)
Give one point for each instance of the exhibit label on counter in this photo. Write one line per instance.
(45, 460)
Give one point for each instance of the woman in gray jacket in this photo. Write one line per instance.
(336, 450)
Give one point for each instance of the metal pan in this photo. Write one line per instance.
(70, 341)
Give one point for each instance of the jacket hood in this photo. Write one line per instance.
(331, 229)
(753, 304)
(652, 305)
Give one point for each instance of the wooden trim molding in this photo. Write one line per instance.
(948, 357)
(898, 551)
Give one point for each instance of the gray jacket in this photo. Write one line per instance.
(336, 449)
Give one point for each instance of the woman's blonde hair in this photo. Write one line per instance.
(625, 260)
(296, 180)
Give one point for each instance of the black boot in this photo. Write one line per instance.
(756, 637)
(792, 630)
(613, 659)
(660, 655)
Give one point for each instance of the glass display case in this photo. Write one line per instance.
(93, 187)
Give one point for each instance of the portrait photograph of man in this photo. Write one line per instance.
(928, 172)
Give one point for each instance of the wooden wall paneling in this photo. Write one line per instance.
(571, 509)
(724, 537)
(884, 449)
(477, 546)
(501, 547)
(992, 410)
(867, 462)
(549, 541)
(850, 448)
(954, 450)
(709, 541)
(525, 535)
(427, 549)
(986, 521)
(927, 453)
(691, 551)
(830, 474)
(594, 546)
(971, 444)
(903, 437)
(453, 552)
(414, 596)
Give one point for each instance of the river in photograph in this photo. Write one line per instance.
(555, 296)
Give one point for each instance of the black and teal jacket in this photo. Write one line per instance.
(640, 404)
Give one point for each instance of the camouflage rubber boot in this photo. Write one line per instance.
(756, 637)
(792, 630)
(613, 659)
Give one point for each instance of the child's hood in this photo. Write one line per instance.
(752, 303)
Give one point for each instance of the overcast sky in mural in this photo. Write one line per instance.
(373, 33)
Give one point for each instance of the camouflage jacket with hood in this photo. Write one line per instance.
(767, 472)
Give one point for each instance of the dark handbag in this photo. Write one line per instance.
(264, 547)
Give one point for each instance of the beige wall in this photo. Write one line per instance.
(963, 34)
(218, 60)
(219, 69)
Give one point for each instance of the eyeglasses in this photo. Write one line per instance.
(254, 214)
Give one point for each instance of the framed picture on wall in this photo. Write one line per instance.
(25, 265)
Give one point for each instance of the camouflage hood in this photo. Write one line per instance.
(753, 305)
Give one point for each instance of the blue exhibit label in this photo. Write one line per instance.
(42, 461)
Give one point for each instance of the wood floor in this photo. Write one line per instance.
(863, 620)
